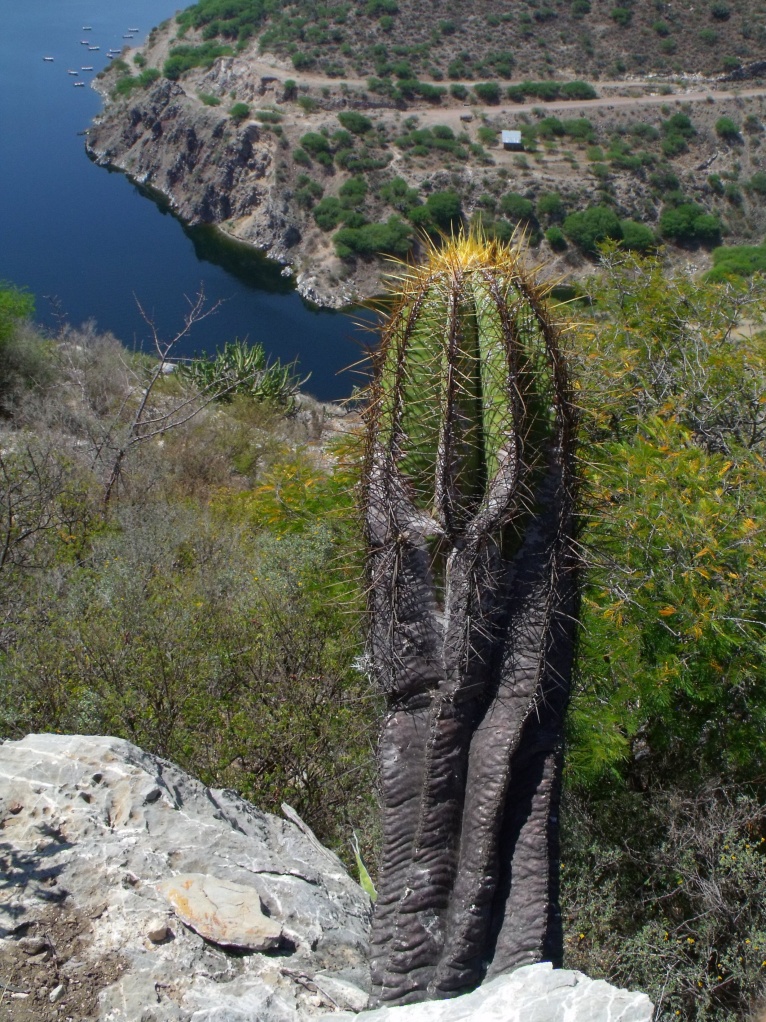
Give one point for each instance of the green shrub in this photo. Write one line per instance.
(546, 91)
(487, 136)
(430, 93)
(708, 36)
(487, 92)
(234, 19)
(184, 58)
(752, 124)
(679, 124)
(689, 224)
(517, 207)
(501, 63)
(578, 90)
(302, 61)
(441, 210)
(314, 143)
(353, 192)
(622, 16)
(643, 131)
(737, 261)
(727, 129)
(589, 227)
(26, 359)
(208, 99)
(355, 122)
(720, 11)
(637, 237)
(328, 213)
(549, 127)
(397, 193)
(392, 238)
(458, 91)
(239, 112)
(307, 191)
(375, 8)
(551, 206)
(757, 182)
(579, 128)
(715, 183)
(268, 116)
(673, 145)
(555, 238)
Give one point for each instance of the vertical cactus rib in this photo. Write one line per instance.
(468, 500)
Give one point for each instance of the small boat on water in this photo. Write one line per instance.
(132, 30)
(73, 72)
(94, 48)
(128, 36)
(47, 58)
(84, 42)
(87, 28)
(80, 85)
(89, 68)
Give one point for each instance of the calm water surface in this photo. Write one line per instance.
(87, 243)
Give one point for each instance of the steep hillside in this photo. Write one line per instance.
(327, 173)
(487, 39)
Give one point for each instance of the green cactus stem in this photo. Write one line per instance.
(469, 509)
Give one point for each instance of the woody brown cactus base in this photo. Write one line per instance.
(469, 493)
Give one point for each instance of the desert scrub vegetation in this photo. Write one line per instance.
(737, 261)
(393, 42)
(212, 612)
(206, 611)
(672, 642)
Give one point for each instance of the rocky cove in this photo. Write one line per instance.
(214, 170)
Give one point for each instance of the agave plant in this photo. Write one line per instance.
(469, 496)
(242, 368)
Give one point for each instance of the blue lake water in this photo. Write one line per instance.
(87, 243)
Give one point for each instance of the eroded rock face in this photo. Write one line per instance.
(96, 833)
(210, 169)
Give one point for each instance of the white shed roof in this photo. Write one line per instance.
(511, 138)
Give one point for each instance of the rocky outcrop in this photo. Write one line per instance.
(210, 168)
(757, 69)
(133, 893)
(534, 993)
(98, 839)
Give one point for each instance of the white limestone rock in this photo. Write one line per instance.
(534, 993)
(94, 830)
(97, 841)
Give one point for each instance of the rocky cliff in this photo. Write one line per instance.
(210, 168)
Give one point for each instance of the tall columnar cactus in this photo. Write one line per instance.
(469, 490)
